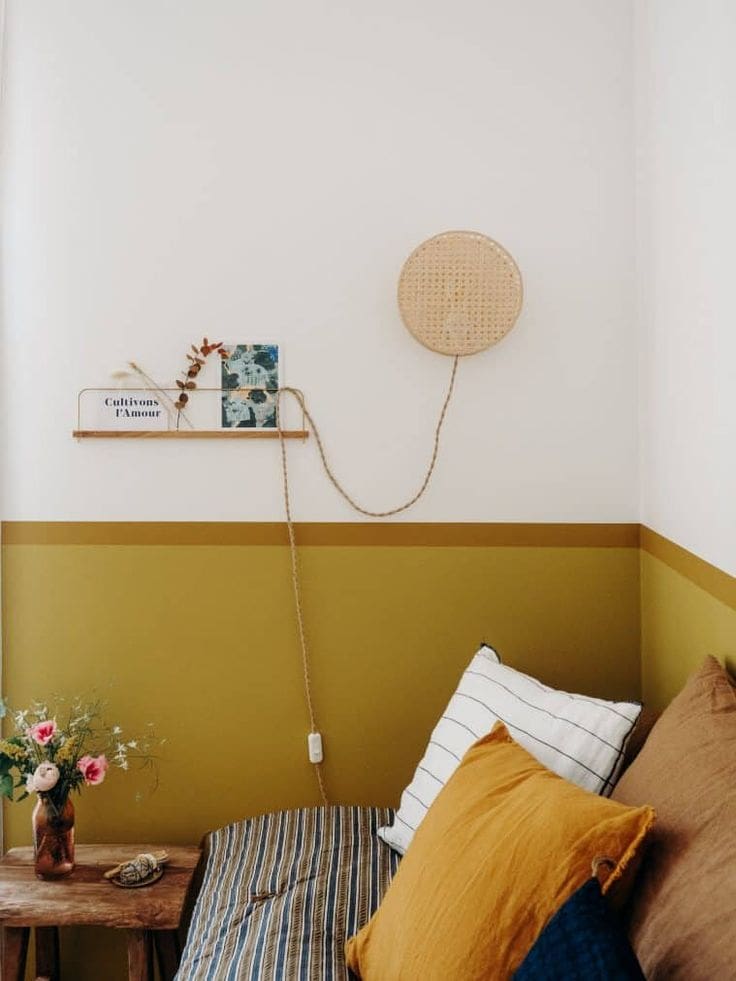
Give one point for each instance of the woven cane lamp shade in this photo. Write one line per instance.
(459, 293)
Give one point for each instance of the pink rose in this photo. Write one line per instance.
(42, 732)
(94, 769)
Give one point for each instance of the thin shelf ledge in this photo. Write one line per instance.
(188, 433)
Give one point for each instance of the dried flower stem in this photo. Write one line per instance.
(160, 391)
(196, 363)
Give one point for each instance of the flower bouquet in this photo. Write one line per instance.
(52, 759)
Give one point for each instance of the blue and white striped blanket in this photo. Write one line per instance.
(282, 892)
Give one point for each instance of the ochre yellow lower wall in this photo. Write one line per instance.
(201, 640)
(681, 623)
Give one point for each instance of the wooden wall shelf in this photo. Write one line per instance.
(188, 434)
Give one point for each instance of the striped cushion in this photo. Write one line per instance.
(579, 738)
(283, 892)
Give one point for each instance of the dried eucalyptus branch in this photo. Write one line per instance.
(196, 363)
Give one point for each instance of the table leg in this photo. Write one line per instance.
(15, 949)
(47, 953)
(140, 955)
(168, 953)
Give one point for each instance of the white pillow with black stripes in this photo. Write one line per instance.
(580, 738)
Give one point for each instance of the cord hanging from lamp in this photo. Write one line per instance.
(459, 293)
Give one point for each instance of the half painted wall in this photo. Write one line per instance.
(174, 169)
(686, 137)
(686, 207)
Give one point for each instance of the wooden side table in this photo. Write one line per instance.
(152, 915)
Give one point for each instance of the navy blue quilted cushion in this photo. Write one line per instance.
(582, 942)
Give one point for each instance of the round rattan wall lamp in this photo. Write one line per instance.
(459, 293)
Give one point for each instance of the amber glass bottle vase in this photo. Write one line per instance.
(53, 837)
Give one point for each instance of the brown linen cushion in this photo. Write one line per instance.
(639, 735)
(683, 909)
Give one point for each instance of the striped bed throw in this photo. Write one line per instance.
(282, 892)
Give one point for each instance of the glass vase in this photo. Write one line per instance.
(53, 838)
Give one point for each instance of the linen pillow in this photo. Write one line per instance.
(579, 738)
(684, 908)
(505, 843)
(584, 941)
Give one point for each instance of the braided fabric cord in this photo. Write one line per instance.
(299, 397)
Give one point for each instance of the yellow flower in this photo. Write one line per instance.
(12, 751)
(68, 752)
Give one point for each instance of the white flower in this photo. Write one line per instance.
(116, 730)
(30, 786)
(123, 765)
(46, 777)
(133, 744)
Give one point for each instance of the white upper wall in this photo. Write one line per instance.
(687, 216)
(261, 171)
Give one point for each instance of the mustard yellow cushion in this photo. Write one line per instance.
(504, 845)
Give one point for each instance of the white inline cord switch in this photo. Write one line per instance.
(314, 747)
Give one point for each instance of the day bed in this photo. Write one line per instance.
(283, 892)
